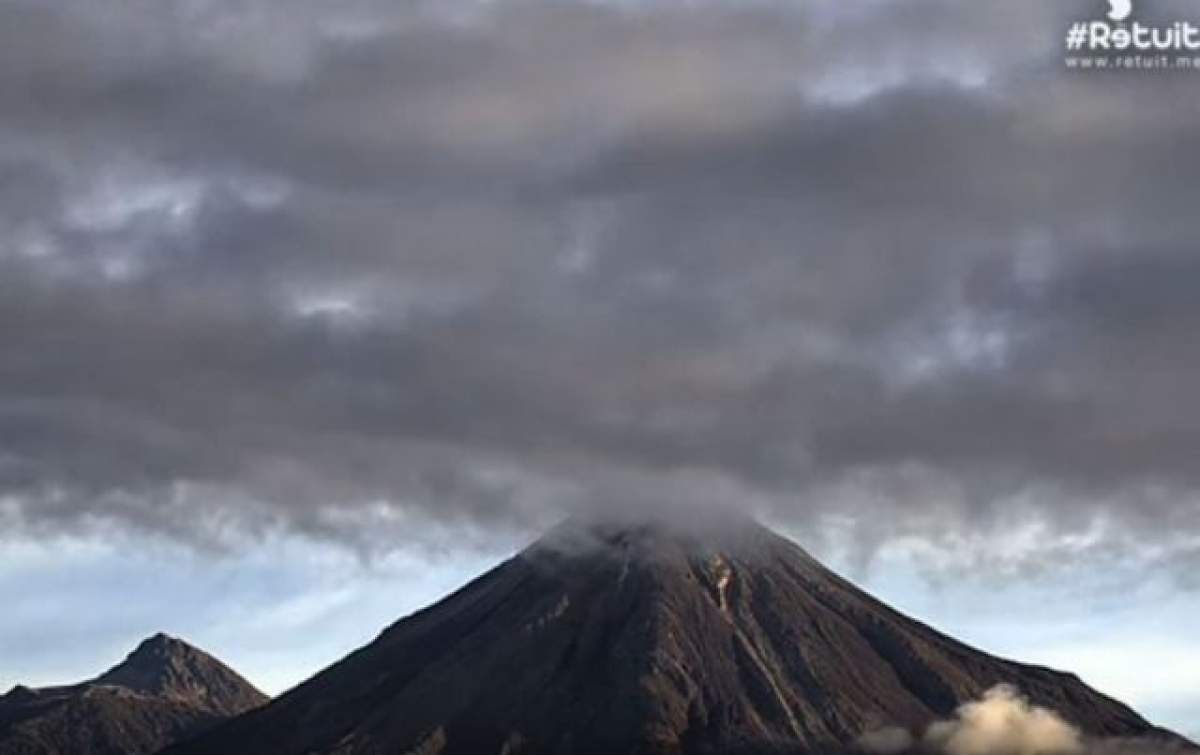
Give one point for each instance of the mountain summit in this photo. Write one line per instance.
(164, 691)
(169, 668)
(613, 638)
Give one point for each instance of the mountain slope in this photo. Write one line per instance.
(163, 691)
(644, 639)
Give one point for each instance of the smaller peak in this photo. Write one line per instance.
(157, 650)
(20, 693)
(154, 664)
(163, 665)
(161, 641)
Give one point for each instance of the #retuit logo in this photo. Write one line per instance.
(1115, 43)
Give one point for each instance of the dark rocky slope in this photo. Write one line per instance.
(164, 691)
(642, 639)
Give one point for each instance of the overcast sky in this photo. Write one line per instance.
(310, 311)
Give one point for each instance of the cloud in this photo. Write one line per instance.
(407, 266)
(1004, 723)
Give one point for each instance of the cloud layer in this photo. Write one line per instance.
(361, 271)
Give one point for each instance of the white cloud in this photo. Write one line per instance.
(1004, 723)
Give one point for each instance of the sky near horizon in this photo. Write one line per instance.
(310, 312)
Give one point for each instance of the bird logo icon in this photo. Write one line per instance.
(1119, 10)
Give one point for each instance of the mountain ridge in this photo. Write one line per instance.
(619, 637)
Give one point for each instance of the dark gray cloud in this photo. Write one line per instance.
(357, 269)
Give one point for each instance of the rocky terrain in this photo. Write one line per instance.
(166, 690)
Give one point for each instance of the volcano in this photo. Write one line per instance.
(164, 691)
(605, 639)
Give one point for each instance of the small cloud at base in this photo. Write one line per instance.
(1005, 722)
